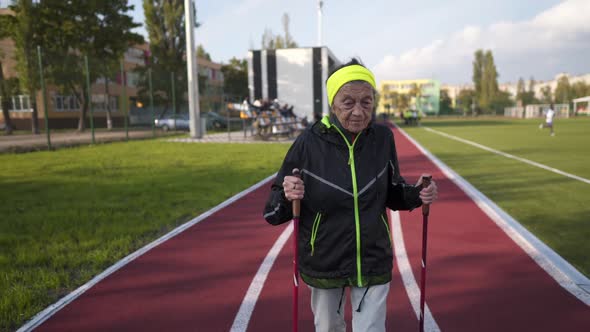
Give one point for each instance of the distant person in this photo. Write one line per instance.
(549, 115)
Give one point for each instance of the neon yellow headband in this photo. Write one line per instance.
(345, 75)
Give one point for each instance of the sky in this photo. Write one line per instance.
(411, 39)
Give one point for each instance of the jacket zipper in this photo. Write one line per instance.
(314, 231)
(356, 205)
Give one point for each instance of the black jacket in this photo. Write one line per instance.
(344, 236)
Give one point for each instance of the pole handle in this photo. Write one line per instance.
(296, 202)
(425, 183)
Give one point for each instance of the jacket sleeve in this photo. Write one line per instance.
(278, 209)
(400, 195)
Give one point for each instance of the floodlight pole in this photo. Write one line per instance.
(320, 6)
(193, 77)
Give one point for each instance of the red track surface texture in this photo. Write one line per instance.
(478, 279)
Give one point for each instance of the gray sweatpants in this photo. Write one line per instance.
(371, 318)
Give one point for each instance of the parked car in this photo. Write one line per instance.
(214, 120)
(173, 122)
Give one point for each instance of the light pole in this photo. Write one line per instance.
(193, 77)
(320, 37)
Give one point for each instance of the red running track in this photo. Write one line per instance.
(478, 279)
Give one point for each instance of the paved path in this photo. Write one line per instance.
(23, 143)
(478, 278)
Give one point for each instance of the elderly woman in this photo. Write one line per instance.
(349, 177)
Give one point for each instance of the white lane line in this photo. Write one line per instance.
(507, 155)
(247, 307)
(558, 268)
(52, 309)
(405, 270)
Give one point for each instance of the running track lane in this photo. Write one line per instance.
(478, 279)
(193, 282)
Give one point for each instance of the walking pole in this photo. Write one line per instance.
(296, 210)
(425, 212)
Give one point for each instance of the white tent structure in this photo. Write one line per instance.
(582, 100)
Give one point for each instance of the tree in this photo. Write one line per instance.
(288, 39)
(5, 94)
(580, 89)
(485, 80)
(546, 97)
(69, 31)
(271, 42)
(489, 83)
(520, 90)
(111, 20)
(164, 20)
(445, 102)
(22, 30)
(563, 90)
(201, 53)
(501, 101)
(526, 97)
(5, 21)
(466, 100)
(235, 75)
(478, 65)
(416, 93)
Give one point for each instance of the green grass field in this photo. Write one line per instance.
(553, 207)
(68, 215)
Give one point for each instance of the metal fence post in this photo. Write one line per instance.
(89, 97)
(152, 101)
(45, 110)
(173, 99)
(124, 101)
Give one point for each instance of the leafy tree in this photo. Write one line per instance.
(563, 90)
(546, 96)
(466, 100)
(164, 21)
(526, 97)
(68, 31)
(288, 39)
(271, 42)
(520, 90)
(5, 94)
(478, 66)
(445, 102)
(110, 20)
(501, 101)
(22, 28)
(489, 83)
(201, 53)
(580, 89)
(485, 80)
(235, 75)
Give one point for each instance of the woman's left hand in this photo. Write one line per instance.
(429, 194)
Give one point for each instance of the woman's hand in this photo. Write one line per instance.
(429, 194)
(293, 187)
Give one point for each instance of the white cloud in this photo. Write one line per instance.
(555, 40)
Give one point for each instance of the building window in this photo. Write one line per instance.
(7, 3)
(99, 103)
(20, 103)
(135, 56)
(66, 103)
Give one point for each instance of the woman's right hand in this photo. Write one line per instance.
(293, 187)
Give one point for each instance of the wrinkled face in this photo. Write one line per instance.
(353, 105)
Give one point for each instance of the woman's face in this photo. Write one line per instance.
(353, 105)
